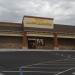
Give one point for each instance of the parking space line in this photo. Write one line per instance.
(65, 71)
(30, 71)
(48, 67)
(44, 62)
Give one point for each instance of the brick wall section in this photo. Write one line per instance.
(66, 43)
(10, 42)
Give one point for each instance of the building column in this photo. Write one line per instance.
(24, 41)
(55, 41)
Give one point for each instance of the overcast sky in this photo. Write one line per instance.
(63, 11)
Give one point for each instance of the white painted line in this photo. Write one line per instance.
(65, 71)
(43, 63)
(39, 63)
(30, 71)
(42, 50)
(73, 73)
(48, 67)
(53, 64)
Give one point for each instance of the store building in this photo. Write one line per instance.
(37, 33)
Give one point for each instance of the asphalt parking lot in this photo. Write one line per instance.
(58, 67)
(36, 63)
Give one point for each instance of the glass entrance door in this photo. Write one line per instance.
(35, 43)
(32, 43)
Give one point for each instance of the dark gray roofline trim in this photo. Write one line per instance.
(38, 17)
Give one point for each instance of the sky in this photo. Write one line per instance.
(63, 11)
